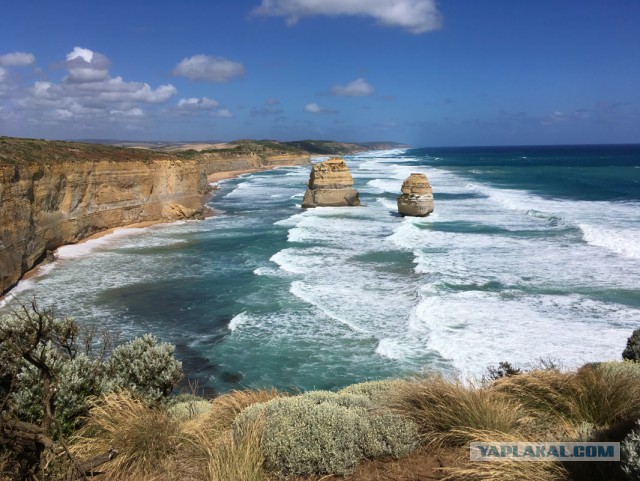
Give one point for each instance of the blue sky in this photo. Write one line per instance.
(451, 72)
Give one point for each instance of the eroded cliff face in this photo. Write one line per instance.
(330, 184)
(214, 162)
(46, 204)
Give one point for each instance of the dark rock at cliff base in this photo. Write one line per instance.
(417, 196)
(330, 184)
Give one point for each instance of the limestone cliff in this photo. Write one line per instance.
(417, 196)
(330, 184)
(58, 193)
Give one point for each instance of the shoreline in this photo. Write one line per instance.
(35, 271)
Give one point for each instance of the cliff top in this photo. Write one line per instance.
(14, 150)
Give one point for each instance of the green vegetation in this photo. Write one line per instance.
(327, 433)
(15, 150)
(630, 454)
(50, 371)
(632, 351)
(68, 408)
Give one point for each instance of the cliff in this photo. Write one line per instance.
(330, 184)
(417, 196)
(56, 193)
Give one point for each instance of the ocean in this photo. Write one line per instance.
(532, 253)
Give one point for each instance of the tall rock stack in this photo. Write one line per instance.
(417, 196)
(330, 184)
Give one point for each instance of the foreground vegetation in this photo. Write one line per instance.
(74, 407)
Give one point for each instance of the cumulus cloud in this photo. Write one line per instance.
(84, 65)
(3, 74)
(203, 103)
(89, 94)
(17, 59)
(314, 108)
(208, 69)
(416, 16)
(357, 88)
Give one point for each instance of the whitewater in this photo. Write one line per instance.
(265, 293)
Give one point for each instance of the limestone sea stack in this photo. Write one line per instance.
(417, 196)
(330, 184)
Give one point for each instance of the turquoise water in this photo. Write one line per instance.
(531, 252)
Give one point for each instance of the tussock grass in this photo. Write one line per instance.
(234, 456)
(224, 410)
(444, 410)
(144, 437)
(502, 470)
(601, 395)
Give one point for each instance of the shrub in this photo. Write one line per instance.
(50, 370)
(326, 433)
(630, 454)
(503, 369)
(444, 410)
(632, 351)
(144, 367)
(377, 391)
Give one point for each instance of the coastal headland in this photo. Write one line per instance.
(54, 193)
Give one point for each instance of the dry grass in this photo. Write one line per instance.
(466, 470)
(145, 438)
(234, 457)
(599, 395)
(445, 409)
(224, 410)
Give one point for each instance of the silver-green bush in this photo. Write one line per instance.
(35, 346)
(376, 391)
(326, 433)
(630, 455)
(144, 367)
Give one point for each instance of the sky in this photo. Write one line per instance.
(424, 72)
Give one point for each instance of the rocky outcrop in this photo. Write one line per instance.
(330, 184)
(417, 196)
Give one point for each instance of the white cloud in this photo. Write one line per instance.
(209, 69)
(3, 74)
(416, 16)
(17, 59)
(198, 104)
(314, 108)
(82, 53)
(88, 95)
(357, 88)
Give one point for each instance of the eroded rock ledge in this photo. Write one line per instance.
(330, 184)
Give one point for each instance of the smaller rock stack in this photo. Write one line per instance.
(330, 184)
(417, 196)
